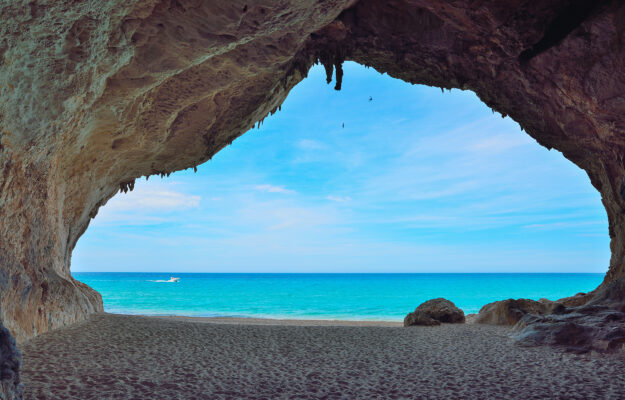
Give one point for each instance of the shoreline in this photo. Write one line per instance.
(271, 321)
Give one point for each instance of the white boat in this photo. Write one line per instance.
(173, 279)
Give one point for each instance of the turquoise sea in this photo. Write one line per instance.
(320, 296)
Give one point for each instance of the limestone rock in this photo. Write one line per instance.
(417, 318)
(509, 312)
(441, 310)
(577, 300)
(97, 93)
(580, 330)
(597, 325)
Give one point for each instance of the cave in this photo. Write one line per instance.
(96, 95)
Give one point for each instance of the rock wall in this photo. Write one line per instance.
(96, 94)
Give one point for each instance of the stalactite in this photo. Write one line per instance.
(127, 186)
(339, 75)
(329, 67)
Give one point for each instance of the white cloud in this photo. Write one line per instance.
(339, 199)
(273, 189)
(308, 144)
(145, 204)
(153, 199)
(282, 214)
(560, 225)
(501, 142)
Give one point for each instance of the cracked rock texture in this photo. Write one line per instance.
(95, 94)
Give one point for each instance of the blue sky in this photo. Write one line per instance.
(416, 181)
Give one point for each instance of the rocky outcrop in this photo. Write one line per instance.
(598, 325)
(578, 323)
(579, 329)
(509, 312)
(95, 94)
(574, 301)
(433, 312)
(10, 362)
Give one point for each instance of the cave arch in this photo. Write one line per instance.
(99, 95)
(441, 151)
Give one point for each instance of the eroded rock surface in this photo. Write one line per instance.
(598, 325)
(509, 312)
(96, 94)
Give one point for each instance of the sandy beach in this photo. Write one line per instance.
(134, 357)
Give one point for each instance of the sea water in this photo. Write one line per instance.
(320, 296)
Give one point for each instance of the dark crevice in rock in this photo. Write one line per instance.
(563, 24)
(10, 363)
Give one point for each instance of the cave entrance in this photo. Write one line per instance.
(381, 177)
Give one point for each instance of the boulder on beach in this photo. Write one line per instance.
(417, 318)
(509, 312)
(437, 310)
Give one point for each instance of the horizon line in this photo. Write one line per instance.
(335, 273)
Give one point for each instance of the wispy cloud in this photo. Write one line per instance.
(147, 203)
(282, 215)
(274, 189)
(159, 197)
(561, 225)
(309, 144)
(339, 199)
(501, 142)
(153, 200)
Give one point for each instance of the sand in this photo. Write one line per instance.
(282, 322)
(133, 357)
